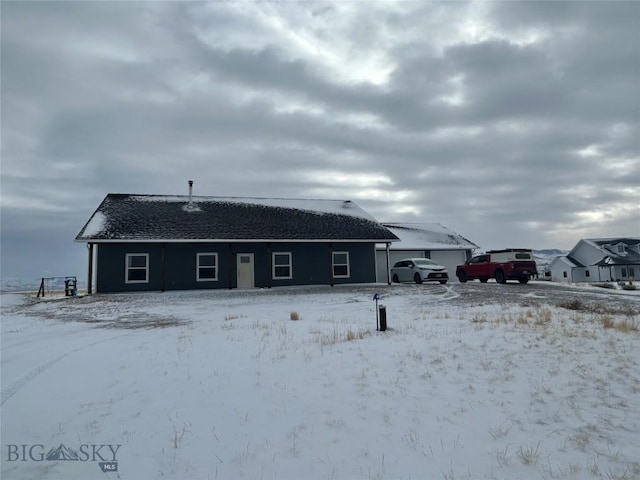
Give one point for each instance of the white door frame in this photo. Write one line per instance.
(245, 270)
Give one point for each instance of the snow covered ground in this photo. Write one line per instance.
(469, 381)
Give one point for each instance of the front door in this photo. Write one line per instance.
(245, 270)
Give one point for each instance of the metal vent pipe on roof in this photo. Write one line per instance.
(190, 206)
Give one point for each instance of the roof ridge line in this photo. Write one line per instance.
(231, 197)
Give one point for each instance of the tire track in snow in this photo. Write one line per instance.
(16, 386)
(450, 293)
(440, 293)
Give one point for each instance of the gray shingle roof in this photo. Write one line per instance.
(123, 217)
(575, 262)
(630, 256)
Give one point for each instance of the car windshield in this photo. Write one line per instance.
(424, 262)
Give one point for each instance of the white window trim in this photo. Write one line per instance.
(198, 267)
(273, 266)
(127, 267)
(334, 265)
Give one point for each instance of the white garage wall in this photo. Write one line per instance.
(449, 259)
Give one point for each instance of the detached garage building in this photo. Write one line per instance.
(425, 240)
(155, 242)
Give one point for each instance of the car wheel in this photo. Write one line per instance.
(442, 282)
(523, 280)
(417, 278)
(500, 278)
(395, 278)
(462, 277)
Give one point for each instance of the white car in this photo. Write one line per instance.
(418, 270)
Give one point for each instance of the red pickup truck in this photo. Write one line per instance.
(503, 265)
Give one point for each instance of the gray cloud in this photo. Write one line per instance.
(514, 123)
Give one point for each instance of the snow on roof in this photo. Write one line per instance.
(426, 236)
(338, 207)
(123, 217)
(614, 240)
(572, 261)
(630, 254)
(95, 225)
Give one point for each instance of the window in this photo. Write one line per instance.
(206, 267)
(620, 248)
(281, 265)
(340, 264)
(564, 274)
(136, 268)
(587, 273)
(623, 272)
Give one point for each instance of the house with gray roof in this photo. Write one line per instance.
(425, 240)
(599, 260)
(156, 242)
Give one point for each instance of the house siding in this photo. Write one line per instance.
(311, 263)
(181, 264)
(557, 267)
(172, 266)
(110, 274)
(587, 254)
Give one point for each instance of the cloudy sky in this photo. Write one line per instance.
(514, 124)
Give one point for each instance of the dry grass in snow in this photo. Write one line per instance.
(224, 385)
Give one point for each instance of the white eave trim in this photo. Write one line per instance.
(233, 240)
(440, 248)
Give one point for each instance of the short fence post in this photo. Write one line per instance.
(383, 318)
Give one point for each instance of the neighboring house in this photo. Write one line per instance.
(152, 242)
(599, 260)
(425, 240)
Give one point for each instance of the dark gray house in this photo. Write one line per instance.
(154, 242)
